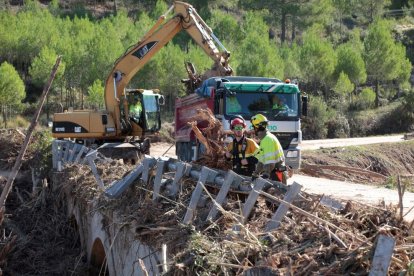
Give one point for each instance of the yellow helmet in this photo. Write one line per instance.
(259, 120)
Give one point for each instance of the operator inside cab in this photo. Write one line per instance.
(135, 110)
(279, 103)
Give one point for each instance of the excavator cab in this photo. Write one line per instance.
(143, 109)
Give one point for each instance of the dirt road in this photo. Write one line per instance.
(166, 149)
(352, 191)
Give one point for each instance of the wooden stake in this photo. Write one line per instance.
(18, 162)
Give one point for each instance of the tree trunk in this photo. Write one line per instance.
(4, 116)
(47, 109)
(283, 27)
(81, 92)
(293, 30)
(376, 93)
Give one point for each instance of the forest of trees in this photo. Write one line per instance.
(352, 57)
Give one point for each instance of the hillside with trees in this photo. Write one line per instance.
(353, 58)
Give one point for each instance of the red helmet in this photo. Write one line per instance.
(237, 121)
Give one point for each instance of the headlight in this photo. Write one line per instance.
(292, 153)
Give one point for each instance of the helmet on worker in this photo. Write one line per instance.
(237, 122)
(259, 121)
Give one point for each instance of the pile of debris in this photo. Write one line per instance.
(318, 235)
(37, 238)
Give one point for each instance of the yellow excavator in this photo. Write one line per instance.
(117, 123)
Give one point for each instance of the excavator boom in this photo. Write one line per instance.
(132, 113)
(185, 18)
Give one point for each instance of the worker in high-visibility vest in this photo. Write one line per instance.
(271, 160)
(241, 150)
(135, 110)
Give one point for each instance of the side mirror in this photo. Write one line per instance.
(161, 100)
(305, 105)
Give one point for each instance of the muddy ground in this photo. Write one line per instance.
(37, 238)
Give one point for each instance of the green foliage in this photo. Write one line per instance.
(314, 125)
(372, 9)
(384, 120)
(364, 100)
(283, 39)
(338, 127)
(12, 89)
(343, 86)
(225, 27)
(160, 8)
(262, 59)
(18, 122)
(41, 146)
(317, 57)
(96, 94)
(383, 57)
(289, 56)
(362, 123)
(350, 62)
(42, 65)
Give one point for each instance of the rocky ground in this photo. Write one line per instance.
(39, 240)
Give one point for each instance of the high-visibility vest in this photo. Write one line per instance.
(245, 148)
(136, 109)
(270, 151)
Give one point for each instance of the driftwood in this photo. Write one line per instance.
(312, 217)
(212, 138)
(18, 162)
(319, 170)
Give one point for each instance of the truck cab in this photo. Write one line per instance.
(282, 103)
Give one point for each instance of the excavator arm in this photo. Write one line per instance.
(185, 18)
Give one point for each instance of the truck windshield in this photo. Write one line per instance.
(272, 105)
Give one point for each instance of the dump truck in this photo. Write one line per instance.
(115, 125)
(232, 96)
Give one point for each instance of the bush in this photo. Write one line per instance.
(18, 122)
(41, 148)
(364, 100)
(362, 123)
(338, 127)
(384, 120)
(315, 124)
